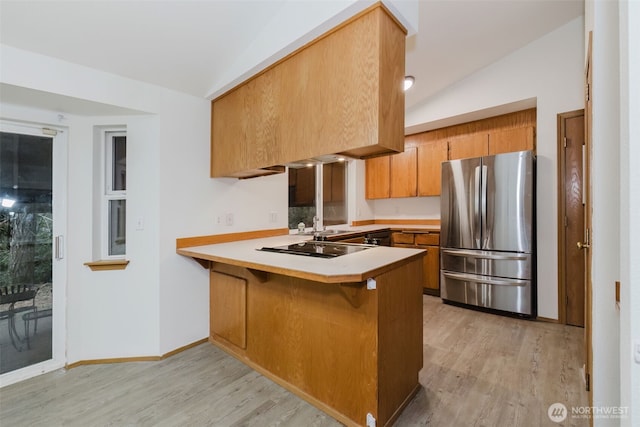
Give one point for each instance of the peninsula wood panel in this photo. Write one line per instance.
(404, 173)
(378, 177)
(342, 347)
(341, 93)
(229, 320)
(310, 335)
(400, 327)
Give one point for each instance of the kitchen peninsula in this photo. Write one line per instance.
(344, 333)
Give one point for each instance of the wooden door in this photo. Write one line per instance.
(471, 145)
(430, 157)
(572, 218)
(377, 178)
(404, 173)
(510, 140)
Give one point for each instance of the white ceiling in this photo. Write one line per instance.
(190, 46)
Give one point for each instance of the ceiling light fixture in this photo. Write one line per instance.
(408, 82)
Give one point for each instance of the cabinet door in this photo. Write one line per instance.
(510, 140)
(472, 145)
(377, 177)
(431, 269)
(404, 173)
(430, 155)
(228, 308)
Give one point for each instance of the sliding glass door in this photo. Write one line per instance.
(29, 246)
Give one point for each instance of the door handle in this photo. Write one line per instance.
(581, 245)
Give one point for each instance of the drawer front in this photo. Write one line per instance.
(431, 239)
(405, 238)
(359, 240)
(502, 264)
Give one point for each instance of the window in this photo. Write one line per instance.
(115, 193)
(323, 185)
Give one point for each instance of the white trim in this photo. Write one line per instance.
(107, 194)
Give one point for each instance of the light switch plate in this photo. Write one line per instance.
(636, 351)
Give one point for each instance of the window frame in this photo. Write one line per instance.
(109, 195)
(319, 203)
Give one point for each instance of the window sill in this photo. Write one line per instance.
(111, 264)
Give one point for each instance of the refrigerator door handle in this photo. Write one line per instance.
(485, 279)
(475, 254)
(477, 199)
(483, 208)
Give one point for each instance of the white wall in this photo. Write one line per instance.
(159, 302)
(629, 209)
(550, 70)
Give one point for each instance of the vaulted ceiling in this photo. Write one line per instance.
(195, 46)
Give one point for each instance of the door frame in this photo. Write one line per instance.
(59, 266)
(588, 123)
(562, 256)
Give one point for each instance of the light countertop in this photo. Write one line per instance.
(355, 267)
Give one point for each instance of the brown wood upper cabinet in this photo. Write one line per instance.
(404, 171)
(378, 178)
(500, 134)
(430, 155)
(473, 145)
(509, 140)
(342, 93)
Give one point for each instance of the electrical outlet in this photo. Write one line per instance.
(229, 219)
(273, 216)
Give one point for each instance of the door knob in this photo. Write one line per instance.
(581, 245)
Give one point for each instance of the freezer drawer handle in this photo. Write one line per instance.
(472, 254)
(479, 279)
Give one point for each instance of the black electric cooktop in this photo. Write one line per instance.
(318, 249)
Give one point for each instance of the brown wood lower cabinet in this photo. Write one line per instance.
(430, 242)
(351, 351)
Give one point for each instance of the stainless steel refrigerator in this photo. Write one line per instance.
(487, 235)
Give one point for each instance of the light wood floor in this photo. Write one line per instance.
(479, 370)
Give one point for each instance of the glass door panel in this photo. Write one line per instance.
(26, 235)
